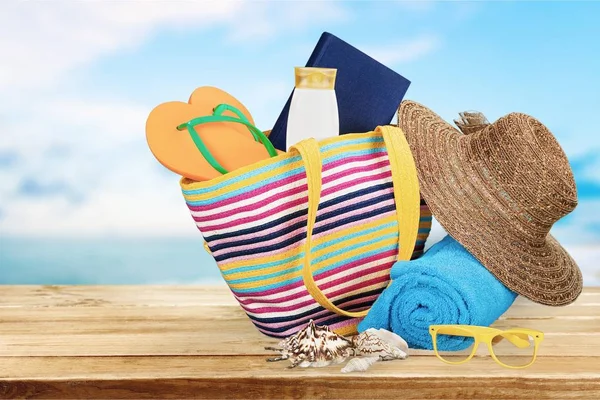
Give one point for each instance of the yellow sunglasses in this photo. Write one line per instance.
(512, 348)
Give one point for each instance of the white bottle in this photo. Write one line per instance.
(313, 110)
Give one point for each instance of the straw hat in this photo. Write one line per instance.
(498, 189)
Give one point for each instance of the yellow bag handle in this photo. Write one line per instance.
(406, 197)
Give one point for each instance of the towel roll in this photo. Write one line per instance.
(445, 286)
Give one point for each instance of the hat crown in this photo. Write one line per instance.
(497, 190)
(521, 161)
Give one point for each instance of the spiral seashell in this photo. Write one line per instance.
(390, 337)
(314, 346)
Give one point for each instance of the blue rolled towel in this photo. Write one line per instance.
(447, 285)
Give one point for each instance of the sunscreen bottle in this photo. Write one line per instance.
(313, 110)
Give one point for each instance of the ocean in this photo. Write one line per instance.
(105, 261)
(92, 261)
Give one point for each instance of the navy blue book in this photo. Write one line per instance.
(368, 92)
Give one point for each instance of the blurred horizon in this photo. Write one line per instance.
(82, 199)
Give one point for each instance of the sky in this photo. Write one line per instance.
(78, 80)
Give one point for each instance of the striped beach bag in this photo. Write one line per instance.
(313, 233)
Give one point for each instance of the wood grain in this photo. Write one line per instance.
(196, 342)
(252, 377)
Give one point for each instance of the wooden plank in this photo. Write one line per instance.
(196, 342)
(171, 295)
(102, 319)
(224, 338)
(116, 296)
(251, 377)
(125, 320)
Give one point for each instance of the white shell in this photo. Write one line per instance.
(370, 344)
(390, 337)
(359, 364)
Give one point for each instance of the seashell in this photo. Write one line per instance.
(370, 344)
(390, 337)
(314, 346)
(360, 364)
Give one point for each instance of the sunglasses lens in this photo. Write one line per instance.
(452, 347)
(514, 349)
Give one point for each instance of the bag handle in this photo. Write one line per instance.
(218, 116)
(406, 197)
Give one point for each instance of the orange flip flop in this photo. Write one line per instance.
(212, 134)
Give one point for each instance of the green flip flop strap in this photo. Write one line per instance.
(217, 116)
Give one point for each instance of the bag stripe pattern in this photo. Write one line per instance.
(254, 223)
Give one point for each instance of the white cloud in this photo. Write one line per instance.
(264, 19)
(404, 52)
(42, 41)
(136, 212)
(90, 153)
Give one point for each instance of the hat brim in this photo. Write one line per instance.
(460, 202)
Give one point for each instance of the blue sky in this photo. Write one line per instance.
(77, 85)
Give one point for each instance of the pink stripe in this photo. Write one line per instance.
(355, 170)
(251, 296)
(353, 224)
(336, 282)
(356, 182)
(236, 222)
(249, 207)
(253, 235)
(272, 253)
(291, 204)
(287, 236)
(261, 243)
(282, 182)
(351, 321)
(250, 194)
(318, 316)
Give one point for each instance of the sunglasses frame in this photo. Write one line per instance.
(484, 334)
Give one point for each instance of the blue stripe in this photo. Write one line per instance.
(270, 264)
(342, 143)
(348, 249)
(354, 235)
(328, 268)
(243, 177)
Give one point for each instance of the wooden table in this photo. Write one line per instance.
(194, 341)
